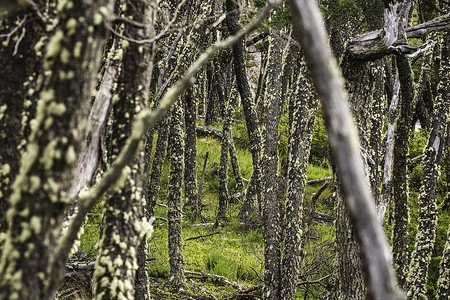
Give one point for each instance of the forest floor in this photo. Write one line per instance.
(230, 250)
(226, 261)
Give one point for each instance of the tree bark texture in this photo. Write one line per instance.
(19, 65)
(269, 197)
(302, 111)
(426, 228)
(443, 283)
(399, 180)
(251, 118)
(190, 165)
(27, 268)
(174, 205)
(344, 145)
(124, 222)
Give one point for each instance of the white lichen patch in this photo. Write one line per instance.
(35, 224)
(70, 155)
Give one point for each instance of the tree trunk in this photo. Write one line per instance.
(28, 269)
(270, 216)
(253, 191)
(443, 289)
(399, 180)
(344, 145)
(115, 270)
(174, 205)
(19, 65)
(190, 165)
(302, 111)
(426, 228)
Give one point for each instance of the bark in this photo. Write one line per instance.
(426, 228)
(29, 270)
(190, 173)
(269, 197)
(174, 206)
(251, 117)
(376, 44)
(19, 65)
(198, 209)
(344, 144)
(156, 170)
(302, 111)
(223, 166)
(88, 162)
(387, 175)
(443, 284)
(399, 179)
(123, 219)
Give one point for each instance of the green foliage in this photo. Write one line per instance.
(320, 152)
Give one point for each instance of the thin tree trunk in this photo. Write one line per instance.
(443, 284)
(115, 270)
(269, 203)
(223, 166)
(190, 166)
(253, 191)
(302, 111)
(399, 174)
(426, 228)
(174, 205)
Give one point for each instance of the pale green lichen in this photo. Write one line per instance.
(64, 56)
(71, 26)
(98, 18)
(77, 49)
(35, 224)
(54, 45)
(70, 155)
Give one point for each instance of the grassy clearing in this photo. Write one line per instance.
(232, 251)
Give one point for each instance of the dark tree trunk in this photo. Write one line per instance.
(253, 191)
(28, 269)
(123, 219)
(20, 63)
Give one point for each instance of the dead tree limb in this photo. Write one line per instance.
(314, 181)
(216, 133)
(387, 176)
(218, 278)
(202, 236)
(345, 149)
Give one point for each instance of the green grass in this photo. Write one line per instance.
(236, 252)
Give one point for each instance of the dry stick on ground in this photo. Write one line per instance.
(221, 279)
(345, 148)
(144, 121)
(202, 236)
(314, 181)
(203, 289)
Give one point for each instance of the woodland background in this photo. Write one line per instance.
(235, 149)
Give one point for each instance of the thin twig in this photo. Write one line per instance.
(16, 46)
(202, 236)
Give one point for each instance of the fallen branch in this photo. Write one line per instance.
(202, 224)
(220, 279)
(203, 289)
(202, 236)
(319, 281)
(244, 292)
(314, 181)
(216, 133)
(415, 158)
